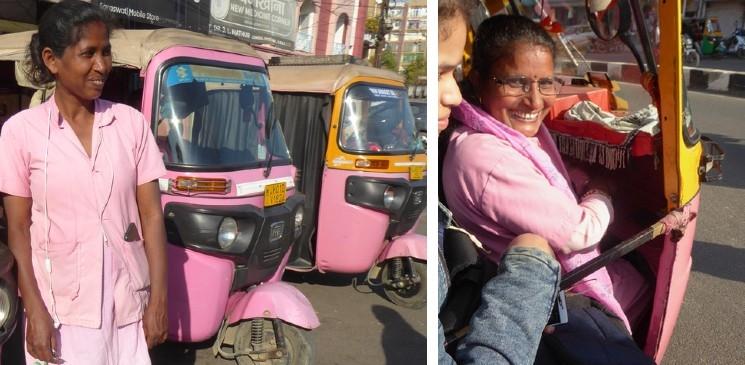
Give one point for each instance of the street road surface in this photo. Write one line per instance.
(727, 63)
(711, 324)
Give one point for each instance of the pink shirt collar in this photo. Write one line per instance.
(102, 117)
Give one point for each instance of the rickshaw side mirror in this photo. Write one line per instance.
(598, 5)
(421, 137)
(710, 167)
(608, 18)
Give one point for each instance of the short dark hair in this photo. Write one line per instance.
(498, 36)
(448, 10)
(59, 28)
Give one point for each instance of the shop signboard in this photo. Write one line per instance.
(185, 14)
(272, 22)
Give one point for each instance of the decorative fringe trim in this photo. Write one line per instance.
(595, 152)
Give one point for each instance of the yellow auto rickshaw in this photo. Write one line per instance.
(361, 165)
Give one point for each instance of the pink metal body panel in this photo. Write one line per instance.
(350, 238)
(198, 289)
(273, 300)
(409, 245)
(281, 268)
(672, 281)
(235, 177)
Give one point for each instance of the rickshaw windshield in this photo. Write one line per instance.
(712, 26)
(377, 120)
(217, 117)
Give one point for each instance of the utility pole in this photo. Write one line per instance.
(380, 44)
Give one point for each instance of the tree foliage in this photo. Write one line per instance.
(415, 69)
(388, 60)
(372, 25)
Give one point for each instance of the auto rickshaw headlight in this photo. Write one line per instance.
(393, 198)
(6, 304)
(298, 222)
(227, 233)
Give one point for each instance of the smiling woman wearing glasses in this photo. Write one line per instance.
(502, 173)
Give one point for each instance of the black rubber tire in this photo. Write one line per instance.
(300, 350)
(741, 53)
(414, 298)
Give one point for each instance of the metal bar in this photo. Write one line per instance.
(612, 254)
(641, 26)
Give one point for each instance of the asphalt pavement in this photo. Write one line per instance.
(710, 326)
(727, 63)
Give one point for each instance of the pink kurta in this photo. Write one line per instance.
(497, 193)
(86, 207)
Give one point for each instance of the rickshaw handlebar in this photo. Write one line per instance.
(674, 223)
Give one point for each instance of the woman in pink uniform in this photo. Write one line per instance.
(83, 205)
(503, 175)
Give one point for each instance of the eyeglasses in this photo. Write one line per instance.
(521, 85)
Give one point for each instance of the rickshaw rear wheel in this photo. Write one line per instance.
(298, 346)
(412, 296)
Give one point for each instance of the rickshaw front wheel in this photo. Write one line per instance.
(405, 282)
(298, 348)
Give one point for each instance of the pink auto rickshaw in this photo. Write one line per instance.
(361, 165)
(231, 210)
(641, 135)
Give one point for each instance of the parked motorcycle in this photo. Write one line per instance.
(735, 44)
(691, 56)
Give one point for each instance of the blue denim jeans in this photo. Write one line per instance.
(515, 307)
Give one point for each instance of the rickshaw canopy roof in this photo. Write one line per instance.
(325, 79)
(130, 47)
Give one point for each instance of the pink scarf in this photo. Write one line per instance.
(596, 285)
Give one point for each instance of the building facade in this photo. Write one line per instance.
(407, 38)
(331, 27)
(276, 27)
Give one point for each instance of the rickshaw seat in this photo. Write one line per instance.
(590, 141)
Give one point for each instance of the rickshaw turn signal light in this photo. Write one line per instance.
(371, 164)
(201, 185)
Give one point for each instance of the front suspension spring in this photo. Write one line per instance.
(257, 331)
(397, 268)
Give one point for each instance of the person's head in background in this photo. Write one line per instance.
(452, 21)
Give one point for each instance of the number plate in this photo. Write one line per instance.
(275, 194)
(416, 172)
